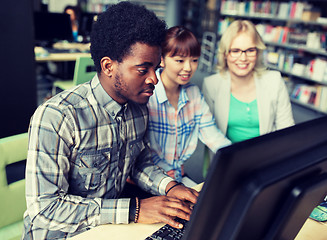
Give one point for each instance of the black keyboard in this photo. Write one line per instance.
(167, 232)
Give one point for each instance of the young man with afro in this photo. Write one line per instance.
(85, 142)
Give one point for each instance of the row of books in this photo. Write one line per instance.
(279, 59)
(284, 35)
(297, 36)
(283, 10)
(315, 96)
(297, 64)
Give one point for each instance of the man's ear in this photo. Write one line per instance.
(107, 66)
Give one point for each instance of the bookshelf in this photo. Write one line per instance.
(295, 33)
(98, 6)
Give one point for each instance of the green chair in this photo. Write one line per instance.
(83, 72)
(206, 162)
(13, 152)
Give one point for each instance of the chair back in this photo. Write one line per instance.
(84, 70)
(13, 153)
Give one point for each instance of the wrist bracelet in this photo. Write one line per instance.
(132, 210)
(137, 210)
(179, 183)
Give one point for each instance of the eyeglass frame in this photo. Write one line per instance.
(243, 51)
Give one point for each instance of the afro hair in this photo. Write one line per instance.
(121, 26)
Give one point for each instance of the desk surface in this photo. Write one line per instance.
(82, 49)
(311, 230)
(60, 57)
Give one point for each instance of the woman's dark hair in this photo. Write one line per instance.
(182, 42)
(120, 27)
(75, 9)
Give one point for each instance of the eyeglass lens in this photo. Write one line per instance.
(250, 52)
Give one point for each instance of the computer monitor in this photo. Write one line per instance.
(263, 188)
(85, 25)
(52, 27)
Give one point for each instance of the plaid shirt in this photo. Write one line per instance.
(174, 133)
(83, 145)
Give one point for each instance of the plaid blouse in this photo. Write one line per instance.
(174, 133)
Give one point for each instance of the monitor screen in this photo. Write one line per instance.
(85, 25)
(265, 187)
(52, 27)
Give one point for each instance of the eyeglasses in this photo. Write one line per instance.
(250, 52)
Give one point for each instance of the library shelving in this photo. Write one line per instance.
(295, 33)
(97, 6)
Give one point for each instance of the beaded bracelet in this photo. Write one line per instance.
(179, 183)
(137, 210)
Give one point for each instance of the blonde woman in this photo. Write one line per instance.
(246, 99)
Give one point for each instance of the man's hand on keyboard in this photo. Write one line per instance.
(183, 193)
(165, 209)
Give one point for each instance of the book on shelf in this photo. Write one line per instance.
(293, 36)
(314, 40)
(268, 33)
(281, 59)
(310, 13)
(289, 61)
(278, 31)
(316, 95)
(272, 58)
(322, 104)
(292, 9)
(323, 40)
(298, 69)
(296, 9)
(318, 69)
(274, 8)
(286, 31)
(283, 10)
(223, 24)
(302, 93)
(297, 37)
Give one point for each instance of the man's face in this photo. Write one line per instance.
(134, 78)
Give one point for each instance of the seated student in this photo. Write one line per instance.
(246, 99)
(74, 14)
(84, 142)
(179, 115)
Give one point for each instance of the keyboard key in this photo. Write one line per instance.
(167, 232)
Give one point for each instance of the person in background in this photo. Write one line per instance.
(74, 13)
(246, 99)
(86, 141)
(179, 115)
